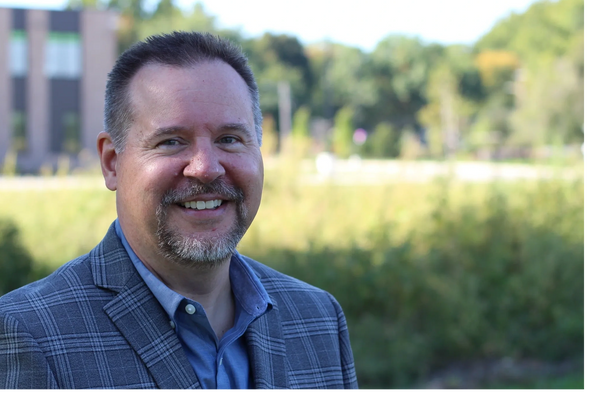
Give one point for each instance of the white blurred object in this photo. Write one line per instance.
(325, 163)
(354, 162)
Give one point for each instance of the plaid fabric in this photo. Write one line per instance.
(95, 324)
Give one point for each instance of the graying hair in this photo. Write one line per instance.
(201, 253)
(183, 49)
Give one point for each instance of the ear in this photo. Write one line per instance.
(108, 159)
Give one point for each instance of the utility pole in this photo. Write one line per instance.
(285, 111)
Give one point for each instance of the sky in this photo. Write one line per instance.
(357, 23)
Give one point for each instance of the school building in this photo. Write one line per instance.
(53, 69)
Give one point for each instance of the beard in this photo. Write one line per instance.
(205, 252)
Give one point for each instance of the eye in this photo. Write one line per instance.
(228, 140)
(169, 143)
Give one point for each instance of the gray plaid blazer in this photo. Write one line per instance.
(94, 323)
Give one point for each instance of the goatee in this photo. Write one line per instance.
(205, 252)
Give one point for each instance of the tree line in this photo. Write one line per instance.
(516, 91)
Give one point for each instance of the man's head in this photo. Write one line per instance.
(177, 49)
(183, 153)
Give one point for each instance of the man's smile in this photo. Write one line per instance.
(201, 205)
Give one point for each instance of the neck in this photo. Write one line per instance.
(208, 285)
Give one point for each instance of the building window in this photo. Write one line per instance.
(63, 55)
(18, 54)
(19, 131)
(71, 140)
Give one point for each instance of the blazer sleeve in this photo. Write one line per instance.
(347, 359)
(22, 363)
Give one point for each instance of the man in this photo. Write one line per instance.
(165, 301)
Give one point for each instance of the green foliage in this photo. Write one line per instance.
(343, 130)
(550, 104)
(68, 223)
(300, 140)
(477, 278)
(9, 167)
(537, 98)
(543, 31)
(343, 77)
(573, 380)
(519, 87)
(16, 267)
(449, 110)
(276, 58)
(384, 142)
(301, 123)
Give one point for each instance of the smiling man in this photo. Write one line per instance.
(165, 300)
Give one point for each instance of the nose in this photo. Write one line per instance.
(204, 163)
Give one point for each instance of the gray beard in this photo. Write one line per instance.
(201, 253)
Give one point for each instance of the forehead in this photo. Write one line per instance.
(209, 76)
(207, 91)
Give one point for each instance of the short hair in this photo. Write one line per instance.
(183, 49)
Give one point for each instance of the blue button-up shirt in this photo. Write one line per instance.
(218, 364)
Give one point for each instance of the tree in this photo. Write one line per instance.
(78, 4)
(343, 131)
(552, 102)
(342, 79)
(167, 17)
(532, 64)
(384, 142)
(453, 87)
(401, 66)
(279, 58)
(301, 123)
(540, 33)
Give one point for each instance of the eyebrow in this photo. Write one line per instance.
(242, 128)
(170, 130)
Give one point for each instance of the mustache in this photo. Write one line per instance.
(216, 187)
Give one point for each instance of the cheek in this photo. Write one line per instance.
(247, 174)
(253, 185)
(143, 184)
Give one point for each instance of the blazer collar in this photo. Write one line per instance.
(139, 316)
(145, 325)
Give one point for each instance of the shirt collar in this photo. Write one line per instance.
(247, 289)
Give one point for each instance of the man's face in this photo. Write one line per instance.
(189, 181)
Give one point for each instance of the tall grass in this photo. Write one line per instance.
(427, 274)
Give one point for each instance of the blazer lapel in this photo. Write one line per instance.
(139, 316)
(266, 351)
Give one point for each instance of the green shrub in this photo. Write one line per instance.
(16, 266)
(476, 279)
(384, 142)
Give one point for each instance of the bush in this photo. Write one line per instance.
(477, 279)
(384, 142)
(16, 266)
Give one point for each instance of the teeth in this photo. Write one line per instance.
(201, 205)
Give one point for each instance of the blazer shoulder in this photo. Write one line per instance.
(285, 288)
(52, 288)
(272, 277)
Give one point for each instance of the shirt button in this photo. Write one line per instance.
(190, 309)
(172, 324)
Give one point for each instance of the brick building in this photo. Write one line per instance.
(53, 68)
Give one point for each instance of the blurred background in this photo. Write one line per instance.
(423, 162)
